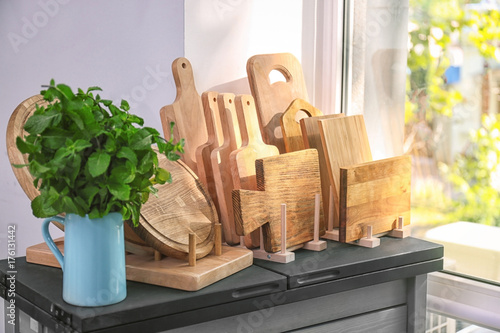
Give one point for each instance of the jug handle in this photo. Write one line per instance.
(48, 238)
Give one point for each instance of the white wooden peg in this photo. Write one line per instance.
(283, 256)
(316, 244)
(401, 231)
(331, 233)
(369, 240)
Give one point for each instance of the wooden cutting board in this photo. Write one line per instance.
(290, 123)
(186, 112)
(345, 142)
(180, 208)
(215, 139)
(221, 165)
(272, 99)
(292, 179)
(374, 193)
(252, 147)
(312, 139)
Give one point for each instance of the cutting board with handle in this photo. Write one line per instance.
(178, 209)
(215, 139)
(312, 139)
(252, 147)
(221, 166)
(292, 179)
(290, 123)
(186, 112)
(272, 99)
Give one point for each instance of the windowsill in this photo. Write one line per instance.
(465, 299)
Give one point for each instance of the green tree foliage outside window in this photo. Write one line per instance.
(434, 28)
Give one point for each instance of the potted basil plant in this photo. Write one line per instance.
(96, 163)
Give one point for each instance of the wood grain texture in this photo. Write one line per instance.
(290, 125)
(312, 139)
(177, 274)
(272, 99)
(374, 193)
(345, 142)
(186, 112)
(221, 165)
(203, 152)
(292, 179)
(180, 208)
(242, 160)
(252, 147)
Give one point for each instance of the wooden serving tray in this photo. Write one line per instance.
(167, 272)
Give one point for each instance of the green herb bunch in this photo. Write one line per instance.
(88, 156)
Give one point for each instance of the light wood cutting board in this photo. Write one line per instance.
(272, 99)
(292, 179)
(290, 123)
(215, 139)
(221, 165)
(186, 112)
(180, 208)
(345, 142)
(312, 139)
(374, 193)
(252, 147)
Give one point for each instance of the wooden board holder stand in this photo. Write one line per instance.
(283, 256)
(331, 233)
(316, 244)
(402, 230)
(160, 270)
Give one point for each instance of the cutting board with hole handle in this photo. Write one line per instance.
(272, 99)
(221, 166)
(290, 123)
(186, 112)
(292, 179)
(312, 139)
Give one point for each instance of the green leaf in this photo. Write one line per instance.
(120, 191)
(162, 176)
(93, 89)
(66, 91)
(141, 140)
(124, 105)
(129, 154)
(123, 174)
(25, 147)
(89, 192)
(98, 163)
(36, 124)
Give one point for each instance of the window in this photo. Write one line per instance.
(447, 55)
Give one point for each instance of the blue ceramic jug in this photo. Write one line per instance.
(94, 258)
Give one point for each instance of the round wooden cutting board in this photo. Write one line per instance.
(180, 208)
